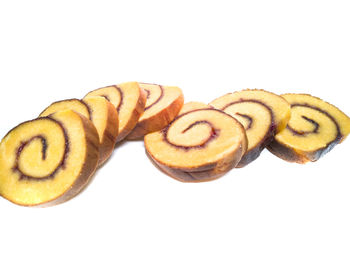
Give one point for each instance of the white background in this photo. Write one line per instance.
(270, 210)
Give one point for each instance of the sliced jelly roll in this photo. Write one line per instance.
(129, 100)
(102, 114)
(261, 113)
(48, 160)
(314, 129)
(199, 145)
(162, 106)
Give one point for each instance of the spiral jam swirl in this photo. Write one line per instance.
(310, 129)
(257, 114)
(113, 94)
(212, 134)
(314, 128)
(313, 124)
(29, 168)
(248, 111)
(154, 94)
(198, 145)
(129, 99)
(163, 104)
(48, 159)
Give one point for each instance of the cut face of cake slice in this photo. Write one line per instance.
(48, 160)
(199, 145)
(102, 114)
(162, 106)
(261, 113)
(129, 100)
(314, 129)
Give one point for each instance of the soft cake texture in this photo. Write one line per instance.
(199, 145)
(279, 106)
(314, 129)
(73, 104)
(102, 114)
(162, 106)
(261, 113)
(48, 160)
(129, 100)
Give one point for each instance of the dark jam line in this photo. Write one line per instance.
(303, 133)
(121, 98)
(316, 125)
(213, 134)
(25, 143)
(89, 109)
(148, 93)
(196, 123)
(248, 118)
(106, 97)
(158, 99)
(19, 150)
(273, 124)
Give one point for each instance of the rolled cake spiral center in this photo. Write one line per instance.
(248, 112)
(199, 145)
(254, 116)
(262, 113)
(200, 136)
(184, 135)
(48, 160)
(312, 123)
(41, 151)
(303, 121)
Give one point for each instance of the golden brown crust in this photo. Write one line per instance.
(255, 152)
(203, 173)
(157, 121)
(138, 111)
(291, 155)
(286, 153)
(110, 135)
